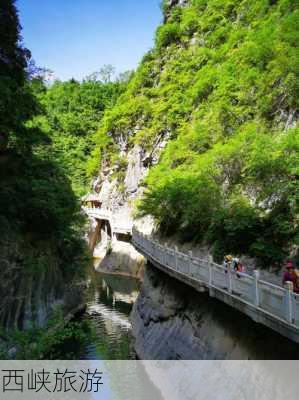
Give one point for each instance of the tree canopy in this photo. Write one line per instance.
(222, 80)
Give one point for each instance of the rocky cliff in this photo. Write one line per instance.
(183, 143)
(32, 284)
(203, 145)
(117, 255)
(173, 321)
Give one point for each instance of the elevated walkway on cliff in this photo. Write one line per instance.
(117, 223)
(268, 304)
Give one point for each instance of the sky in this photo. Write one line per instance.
(75, 38)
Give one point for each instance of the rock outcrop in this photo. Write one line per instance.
(122, 259)
(117, 255)
(172, 321)
(30, 295)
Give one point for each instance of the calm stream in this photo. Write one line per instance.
(109, 300)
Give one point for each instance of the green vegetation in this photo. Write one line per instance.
(59, 340)
(16, 102)
(41, 246)
(46, 136)
(71, 113)
(223, 81)
(36, 198)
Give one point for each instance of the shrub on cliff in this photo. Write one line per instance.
(223, 81)
(167, 34)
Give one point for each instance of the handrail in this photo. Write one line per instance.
(278, 302)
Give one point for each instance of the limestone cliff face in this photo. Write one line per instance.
(117, 255)
(29, 293)
(172, 321)
(120, 195)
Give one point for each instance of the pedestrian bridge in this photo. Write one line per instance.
(117, 223)
(268, 304)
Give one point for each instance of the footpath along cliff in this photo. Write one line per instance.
(201, 151)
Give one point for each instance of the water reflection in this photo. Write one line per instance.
(109, 301)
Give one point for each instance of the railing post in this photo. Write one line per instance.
(165, 255)
(256, 274)
(158, 253)
(229, 276)
(151, 243)
(176, 257)
(210, 274)
(211, 290)
(154, 249)
(289, 292)
(190, 262)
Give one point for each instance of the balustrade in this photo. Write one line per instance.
(281, 303)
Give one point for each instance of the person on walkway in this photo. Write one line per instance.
(238, 267)
(227, 262)
(290, 276)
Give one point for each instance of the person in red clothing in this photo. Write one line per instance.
(290, 276)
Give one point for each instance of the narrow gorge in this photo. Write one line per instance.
(198, 152)
(197, 149)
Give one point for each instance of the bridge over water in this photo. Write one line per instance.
(271, 305)
(117, 222)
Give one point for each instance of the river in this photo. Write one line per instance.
(109, 300)
(198, 327)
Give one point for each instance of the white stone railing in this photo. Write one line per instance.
(271, 300)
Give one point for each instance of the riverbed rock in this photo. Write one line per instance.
(123, 259)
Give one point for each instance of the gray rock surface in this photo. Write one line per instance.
(122, 259)
(172, 321)
(113, 254)
(135, 170)
(30, 296)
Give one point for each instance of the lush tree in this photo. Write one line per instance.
(71, 114)
(40, 221)
(222, 81)
(16, 102)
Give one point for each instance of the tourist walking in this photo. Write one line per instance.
(291, 276)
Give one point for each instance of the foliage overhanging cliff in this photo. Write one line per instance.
(222, 83)
(40, 225)
(44, 145)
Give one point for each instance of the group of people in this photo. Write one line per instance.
(233, 264)
(291, 274)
